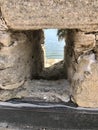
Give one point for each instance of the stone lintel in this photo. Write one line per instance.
(31, 14)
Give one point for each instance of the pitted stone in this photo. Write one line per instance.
(31, 14)
(15, 60)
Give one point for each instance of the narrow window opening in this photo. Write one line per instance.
(53, 56)
(53, 47)
(39, 82)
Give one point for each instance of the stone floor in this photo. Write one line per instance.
(40, 90)
(54, 72)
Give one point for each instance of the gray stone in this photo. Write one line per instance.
(38, 52)
(40, 90)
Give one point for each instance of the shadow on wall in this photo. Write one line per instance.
(54, 72)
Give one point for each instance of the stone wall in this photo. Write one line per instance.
(31, 14)
(82, 68)
(38, 53)
(21, 57)
(21, 54)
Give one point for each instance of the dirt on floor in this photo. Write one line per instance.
(54, 72)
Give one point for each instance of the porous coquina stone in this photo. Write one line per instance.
(78, 43)
(85, 87)
(15, 59)
(39, 90)
(82, 67)
(83, 42)
(31, 14)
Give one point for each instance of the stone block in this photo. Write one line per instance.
(42, 90)
(31, 14)
(15, 60)
(83, 42)
(5, 38)
(96, 37)
(85, 83)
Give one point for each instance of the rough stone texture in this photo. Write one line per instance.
(40, 90)
(18, 58)
(83, 42)
(22, 56)
(5, 38)
(81, 56)
(77, 44)
(31, 14)
(96, 37)
(85, 83)
(96, 50)
(69, 57)
(54, 72)
(38, 52)
(3, 26)
(15, 59)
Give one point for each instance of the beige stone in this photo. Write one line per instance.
(12, 86)
(96, 37)
(83, 42)
(3, 26)
(15, 61)
(31, 14)
(96, 50)
(81, 55)
(85, 84)
(21, 57)
(5, 38)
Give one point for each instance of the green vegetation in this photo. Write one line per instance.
(62, 33)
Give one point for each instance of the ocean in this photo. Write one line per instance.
(54, 48)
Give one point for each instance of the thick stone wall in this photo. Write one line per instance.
(69, 58)
(21, 57)
(38, 57)
(82, 68)
(38, 14)
(21, 54)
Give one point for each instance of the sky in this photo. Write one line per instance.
(54, 48)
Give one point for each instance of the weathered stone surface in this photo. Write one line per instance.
(69, 54)
(3, 25)
(5, 38)
(83, 42)
(31, 14)
(96, 37)
(54, 72)
(85, 82)
(81, 55)
(12, 86)
(78, 43)
(96, 50)
(38, 52)
(21, 57)
(37, 90)
(15, 60)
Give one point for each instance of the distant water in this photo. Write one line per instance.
(54, 48)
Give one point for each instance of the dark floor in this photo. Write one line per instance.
(47, 117)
